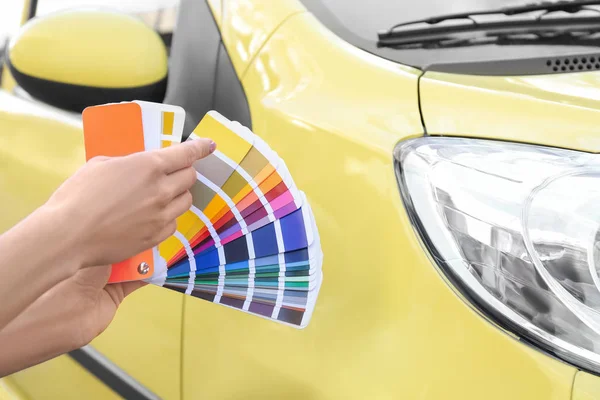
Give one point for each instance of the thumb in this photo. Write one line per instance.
(118, 291)
(130, 287)
(185, 154)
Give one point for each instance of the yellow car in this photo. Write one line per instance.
(450, 161)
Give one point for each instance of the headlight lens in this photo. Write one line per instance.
(516, 228)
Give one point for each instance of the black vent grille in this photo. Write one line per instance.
(575, 63)
(525, 66)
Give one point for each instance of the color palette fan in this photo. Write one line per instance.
(249, 241)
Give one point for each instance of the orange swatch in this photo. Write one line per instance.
(116, 130)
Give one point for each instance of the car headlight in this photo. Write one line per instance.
(516, 228)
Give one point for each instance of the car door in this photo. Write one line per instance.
(139, 355)
(303, 101)
(385, 324)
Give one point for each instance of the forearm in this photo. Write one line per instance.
(46, 329)
(36, 254)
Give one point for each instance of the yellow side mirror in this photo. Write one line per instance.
(78, 58)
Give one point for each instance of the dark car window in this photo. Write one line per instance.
(358, 21)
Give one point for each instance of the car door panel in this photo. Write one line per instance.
(386, 324)
(246, 25)
(39, 148)
(144, 340)
(61, 378)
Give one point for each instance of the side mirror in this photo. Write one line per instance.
(78, 58)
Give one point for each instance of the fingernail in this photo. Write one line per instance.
(212, 146)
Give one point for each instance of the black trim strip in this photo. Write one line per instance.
(420, 102)
(111, 375)
(580, 62)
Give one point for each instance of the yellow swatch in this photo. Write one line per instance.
(228, 142)
(243, 193)
(168, 120)
(170, 247)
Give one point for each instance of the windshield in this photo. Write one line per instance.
(358, 22)
(366, 18)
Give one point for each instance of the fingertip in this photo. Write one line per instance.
(207, 146)
(186, 154)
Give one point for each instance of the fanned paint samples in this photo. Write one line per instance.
(249, 241)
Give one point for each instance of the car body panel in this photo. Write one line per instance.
(8, 83)
(387, 324)
(246, 25)
(586, 387)
(40, 147)
(9, 390)
(560, 110)
(61, 378)
(144, 340)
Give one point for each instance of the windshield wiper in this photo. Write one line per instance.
(394, 37)
(587, 38)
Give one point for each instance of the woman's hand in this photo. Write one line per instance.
(110, 210)
(67, 317)
(118, 207)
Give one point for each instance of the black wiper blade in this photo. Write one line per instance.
(588, 38)
(391, 35)
(492, 28)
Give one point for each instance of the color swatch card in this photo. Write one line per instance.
(123, 128)
(250, 240)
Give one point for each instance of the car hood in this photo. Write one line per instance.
(560, 110)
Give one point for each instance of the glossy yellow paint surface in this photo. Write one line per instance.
(8, 81)
(586, 387)
(39, 148)
(386, 325)
(90, 48)
(61, 378)
(144, 339)
(247, 24)
(560, 110)
(37, 153)
(9, 390)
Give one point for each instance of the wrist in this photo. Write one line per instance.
(47, 329)
(60, 234)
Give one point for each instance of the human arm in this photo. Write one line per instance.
(110, 210)
(67, 317)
